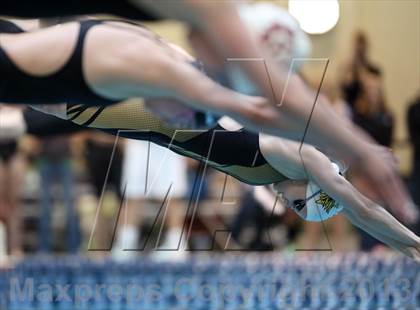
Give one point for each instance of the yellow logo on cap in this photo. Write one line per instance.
(326, 202)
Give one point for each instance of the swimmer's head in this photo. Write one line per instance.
(281, 36)
(308, 200)
(290, 192)
(277, 31)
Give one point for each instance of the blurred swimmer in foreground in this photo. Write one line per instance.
(113, 70)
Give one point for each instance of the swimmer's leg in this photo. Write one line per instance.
(120, 65)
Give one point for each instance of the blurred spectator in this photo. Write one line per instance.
(370, 113)
(260, 210)
(351, 82)
(197, 183)
(99, 151)
(104, 167)
(333, 95)
(413, 118)
(152, 173)
(55, 169)
(12, 167)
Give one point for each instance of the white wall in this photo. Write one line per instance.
(393, 28)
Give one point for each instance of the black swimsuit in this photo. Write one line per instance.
(66, 85)
(236, 153)
(57, 8)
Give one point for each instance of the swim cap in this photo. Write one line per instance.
(276, 30)
(320, 206)
(279, 33)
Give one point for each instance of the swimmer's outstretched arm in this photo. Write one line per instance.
(413, 252)
(221, 23)
(289, 120)
(220, 30)
(360, 210)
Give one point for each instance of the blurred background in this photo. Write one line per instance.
(90, 195)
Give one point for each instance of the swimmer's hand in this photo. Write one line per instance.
(378, 167)
(412, 252)
(377, 222)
